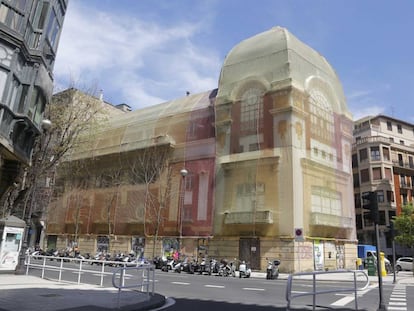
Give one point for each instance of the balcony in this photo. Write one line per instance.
(405, 185)
(371, 139)
(403, 164)
(258, 217)
(321, 219)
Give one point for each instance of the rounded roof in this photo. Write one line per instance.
(272, 57)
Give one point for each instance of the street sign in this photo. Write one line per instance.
(299, 235)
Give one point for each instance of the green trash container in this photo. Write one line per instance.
(372, 269)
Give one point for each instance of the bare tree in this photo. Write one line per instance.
(151, 167)
(112, 179)
(77, 177)
(73, 114)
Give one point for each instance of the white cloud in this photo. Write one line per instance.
(133, 61)
(364, 103)
(359, 112)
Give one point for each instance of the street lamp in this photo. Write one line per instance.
(27, 214)
(183, 174)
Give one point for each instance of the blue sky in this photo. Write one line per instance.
(145, 52)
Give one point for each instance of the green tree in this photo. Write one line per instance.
(404, 227)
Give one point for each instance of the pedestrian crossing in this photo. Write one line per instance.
(398, 299)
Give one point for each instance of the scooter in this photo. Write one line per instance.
(244, 270)
(204, 267)
(272, 271)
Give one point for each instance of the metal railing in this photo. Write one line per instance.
(313, 276)
(142, 279)
(82, 267)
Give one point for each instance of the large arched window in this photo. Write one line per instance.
(251, 117)
(321, 117)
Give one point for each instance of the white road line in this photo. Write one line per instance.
(349, 298)
(391, 303)
(214, 286)
(398, 299)
(251, 288)
(181, 283)
(343, 301)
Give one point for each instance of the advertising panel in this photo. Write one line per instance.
(10, 244)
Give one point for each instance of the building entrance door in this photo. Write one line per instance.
(249, 251)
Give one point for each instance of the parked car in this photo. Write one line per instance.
(404, 264)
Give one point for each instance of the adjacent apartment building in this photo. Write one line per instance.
(258, 168)
(383, 162)
(29, 37)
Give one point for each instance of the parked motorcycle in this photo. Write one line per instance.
(244, 270)
(272, 271)
(204, 266)
(188, 265)
(159, 262)
(214, 266)
(227, 268)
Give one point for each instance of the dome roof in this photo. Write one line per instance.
(276, 58)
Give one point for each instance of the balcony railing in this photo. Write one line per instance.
(403, 164)
(405, 185)
(372, 139)
(258, 217)
(330, 220)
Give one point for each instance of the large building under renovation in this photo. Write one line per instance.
(258, 168)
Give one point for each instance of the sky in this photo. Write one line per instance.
(146, 52)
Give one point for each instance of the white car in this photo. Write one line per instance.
(404, 264)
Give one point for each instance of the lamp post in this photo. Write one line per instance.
(183, 174)
(27, 212)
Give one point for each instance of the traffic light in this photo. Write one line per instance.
(369, 202)
(391, 229)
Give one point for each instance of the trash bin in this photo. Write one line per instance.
(372, 269)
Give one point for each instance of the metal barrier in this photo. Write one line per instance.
(32, 261)
(314, 274)
(144, 278)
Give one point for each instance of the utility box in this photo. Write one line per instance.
(11, 238)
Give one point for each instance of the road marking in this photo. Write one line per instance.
(180, 283)
(398, 299)
(343, 301)
(214, 286)
(349, 298)
(251, 288)
(397, 303)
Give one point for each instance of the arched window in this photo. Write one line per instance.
(321, 117)
(251, 117)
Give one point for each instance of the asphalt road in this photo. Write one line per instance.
(252, 293)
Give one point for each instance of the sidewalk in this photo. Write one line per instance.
(28, 293)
